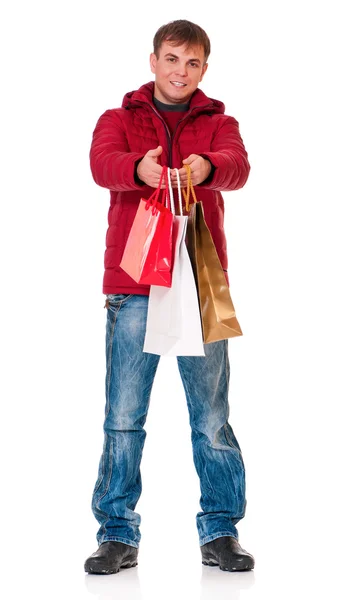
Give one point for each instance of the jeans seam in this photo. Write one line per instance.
(108, 483)
(186, 386)
(226, 437)
(109, 359)
(100, 479)
(148, 396)
(227, 371)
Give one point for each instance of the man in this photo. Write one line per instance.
(167, 122)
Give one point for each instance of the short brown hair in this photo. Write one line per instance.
(182, 32)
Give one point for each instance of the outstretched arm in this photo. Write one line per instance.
(113, 165)
(225, 167)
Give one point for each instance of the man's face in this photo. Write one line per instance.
(178, 72)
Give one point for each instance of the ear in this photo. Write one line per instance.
(204, 69)
(153, 61)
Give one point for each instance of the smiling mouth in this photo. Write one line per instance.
(178, 84)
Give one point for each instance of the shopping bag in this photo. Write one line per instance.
(217, 311)
(147, 256)
(173, 321)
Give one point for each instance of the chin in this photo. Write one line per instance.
(180, 95)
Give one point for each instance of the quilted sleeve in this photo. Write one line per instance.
(229, 158)
(112, 164)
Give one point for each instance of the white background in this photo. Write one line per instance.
(281, 69)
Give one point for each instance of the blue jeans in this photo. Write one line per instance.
(217, 456)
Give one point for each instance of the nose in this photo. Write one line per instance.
(182, 70)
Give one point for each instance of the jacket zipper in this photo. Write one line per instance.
(170, 138)
(168, 134)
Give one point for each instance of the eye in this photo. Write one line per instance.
(194, 64)
(171, 59)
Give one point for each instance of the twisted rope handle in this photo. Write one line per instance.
(190, 188)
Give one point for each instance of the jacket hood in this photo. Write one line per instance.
(145, 95)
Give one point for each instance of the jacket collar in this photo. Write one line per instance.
(144, 95)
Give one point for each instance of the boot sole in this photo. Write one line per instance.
(110, 571)
(215, 564)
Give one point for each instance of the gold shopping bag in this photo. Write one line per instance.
(218, 316)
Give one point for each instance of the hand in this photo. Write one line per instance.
(200, 170)
(149, 170)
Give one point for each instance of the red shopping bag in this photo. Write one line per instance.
(147, 257)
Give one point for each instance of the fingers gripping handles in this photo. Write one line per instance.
(168, 192)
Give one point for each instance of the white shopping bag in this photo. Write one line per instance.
(173, 321)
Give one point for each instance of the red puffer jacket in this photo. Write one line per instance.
(122, 137)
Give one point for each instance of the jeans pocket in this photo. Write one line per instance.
(116, 299)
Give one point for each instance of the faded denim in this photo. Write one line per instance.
(217, 456)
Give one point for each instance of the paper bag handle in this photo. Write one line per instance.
(154, 198)
(190, 188)
(170, 189)
(179, 192)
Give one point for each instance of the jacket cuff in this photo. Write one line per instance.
(211, 181)
(135, 175)
(210, 177)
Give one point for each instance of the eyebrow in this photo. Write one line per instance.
(189, 59)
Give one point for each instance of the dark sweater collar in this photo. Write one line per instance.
(170, 107)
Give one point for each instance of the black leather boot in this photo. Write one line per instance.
(226, 553)
(111, 557)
